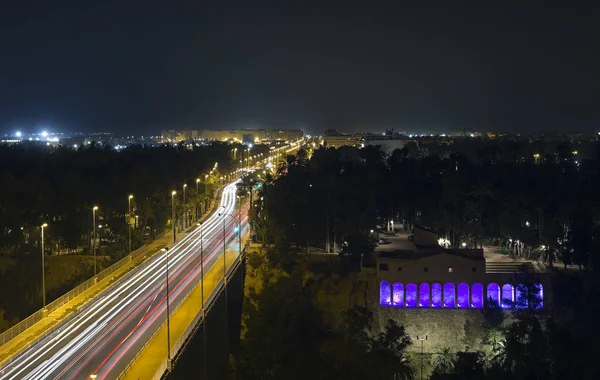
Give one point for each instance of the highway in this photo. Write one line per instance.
(109, 331)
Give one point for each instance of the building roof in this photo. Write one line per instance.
(473, 254)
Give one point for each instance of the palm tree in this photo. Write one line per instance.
(483, 192)
(444, 360)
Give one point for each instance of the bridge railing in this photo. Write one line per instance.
(60, 301)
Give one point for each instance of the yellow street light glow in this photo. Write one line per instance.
(173, 192)
(95, 208)
(131, 197)
(45, 225)
(197, 180)
(185, 185)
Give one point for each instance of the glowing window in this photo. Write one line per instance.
(398, 295)
(540, 294)
(436, 295)
(463, 296)
(449, 295)
(411, 295)
(424, 297)
(521, 298)
(508, 296)
(477, 296)
(493, 294)
(385, 294)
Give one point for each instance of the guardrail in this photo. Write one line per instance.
(60, 301)
(162, 368)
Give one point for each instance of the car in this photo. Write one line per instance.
(383, 241)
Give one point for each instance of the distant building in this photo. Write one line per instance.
(388, 143)
(336, 141)
(239, 135)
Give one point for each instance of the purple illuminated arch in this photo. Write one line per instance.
(385, 298)
(508, 296)
(449, 295)
(477, 296)
(521, 299)
(540, 296)
(397, 295)
(493, 293)
(411, 295)
(436, 295)
(463, 296)
(424, 297)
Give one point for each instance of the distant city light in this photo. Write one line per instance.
(44, 133)
(18, 134)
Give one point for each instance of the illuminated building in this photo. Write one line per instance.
(430, 276)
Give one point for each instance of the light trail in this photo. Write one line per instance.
(75, 345)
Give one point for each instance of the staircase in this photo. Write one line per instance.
(509, 267)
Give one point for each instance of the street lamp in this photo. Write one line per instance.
(237, 229)
(197, 194)
(422, 339)
(166, 250)
(43, 270)
(173, 213)
(128, 219)
(94, 240)
(184, 210)
(93, 375)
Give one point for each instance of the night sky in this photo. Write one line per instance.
(142, 66)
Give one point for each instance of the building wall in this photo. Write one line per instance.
(387, 145)
(236, 135)
(336, 141)
(437, 266)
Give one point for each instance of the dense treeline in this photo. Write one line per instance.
(287, 337)
(536, 209)
(60, 187)
(544, 209)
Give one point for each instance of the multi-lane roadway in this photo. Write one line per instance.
(106, 335)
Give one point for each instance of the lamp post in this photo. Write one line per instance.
(184, 210)
(173, 213)
(197, 195)
(128, 219)
(224, 250)
(166, 249)
(43, 270)
(94, 209)
(422, 339)
(205, 181)
(202, 294)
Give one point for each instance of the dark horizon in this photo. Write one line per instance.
(140, 69)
